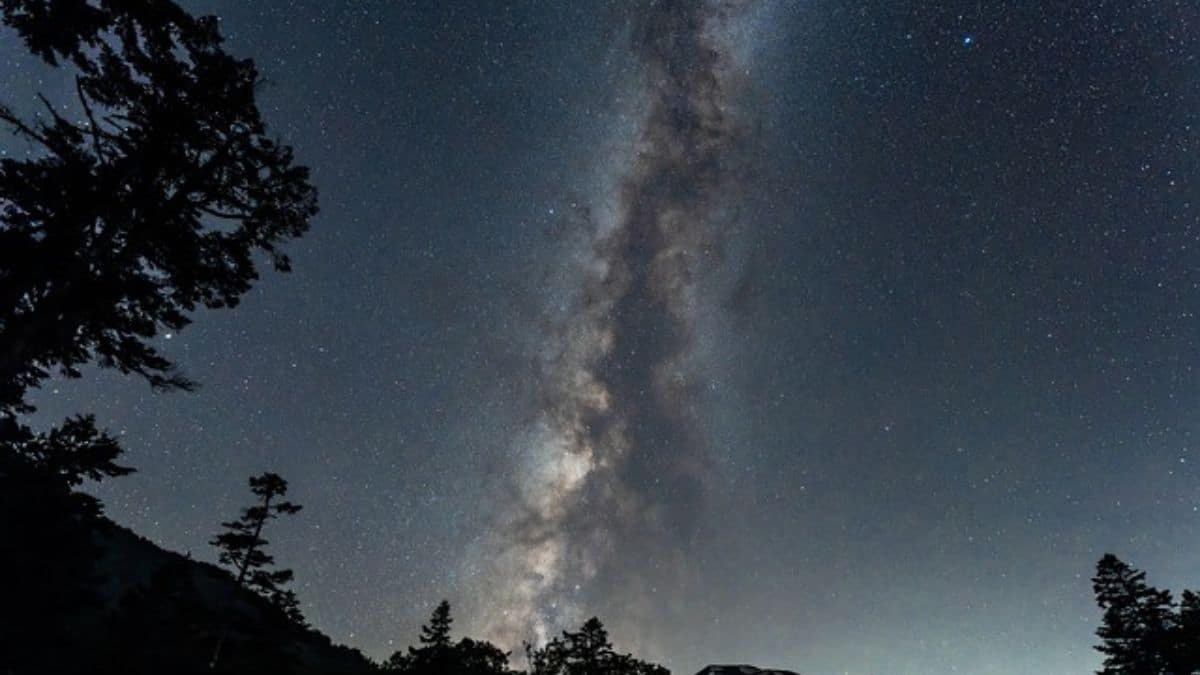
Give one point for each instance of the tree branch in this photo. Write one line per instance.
(20, 128)
(222, 214)
(93, 126)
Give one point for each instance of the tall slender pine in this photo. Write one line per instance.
(243, 548)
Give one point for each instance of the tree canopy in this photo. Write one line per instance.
(438, 654)
(1143, 631)
(586, 652)
(147, 202)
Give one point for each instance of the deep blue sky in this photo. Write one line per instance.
(940, 357)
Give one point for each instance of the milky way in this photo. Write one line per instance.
(809, 334)
(613, 465)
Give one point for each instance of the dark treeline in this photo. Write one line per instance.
(155, 197)
(586, 652)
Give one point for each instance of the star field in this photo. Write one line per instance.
(936, 349)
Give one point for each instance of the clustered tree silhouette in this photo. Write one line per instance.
(586, 652)
(439, 655)
(1144, 632)
(146, 197)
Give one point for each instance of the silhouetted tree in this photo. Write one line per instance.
(436, 633)
(46, 547)
(1187, 642)
(143, 200)
(476, 657)
(586, 652)
(243, 548)
(439, 655)
(1140, 630)
(148, 204)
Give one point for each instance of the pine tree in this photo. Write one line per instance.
(243, 548)
(436, 633)
(1139, 622)
(436, 653)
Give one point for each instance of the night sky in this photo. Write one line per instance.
(841, 337)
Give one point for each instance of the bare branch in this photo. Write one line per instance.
(50, 108)
(223, 214)
(19, 126)
(93, 126)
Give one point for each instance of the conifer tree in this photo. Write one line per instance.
(435, 655)
(243, 548)
(436, 633)
(1139, 625)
